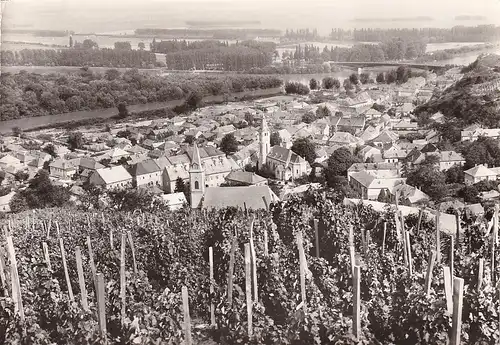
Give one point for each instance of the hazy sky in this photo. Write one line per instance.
(115, 15)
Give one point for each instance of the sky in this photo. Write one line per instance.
(115, 15)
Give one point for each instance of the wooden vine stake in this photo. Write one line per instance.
(458, 294)
(428, 277)
(46, 256)
(408, 252)
(132, 248)
(230, 275)
(92, 264)
(459, 225)
(187, 317)
(383, 238)
(16, 286)
(266, 243)
(419, 222)
(302, 270)
(452, 259)
(438, 238)
(448, 290)
(81, 279)
(3, 279)
(480, 274)
(254, 262)
(65, 267)
(248, 287)
(316, 236)
(356, 322)
(111, 240)
(494, 241)
(211, 263)
(123, 283)
(101, 305)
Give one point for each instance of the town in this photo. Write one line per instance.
(361, 140)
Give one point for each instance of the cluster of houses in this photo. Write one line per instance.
(155, 154)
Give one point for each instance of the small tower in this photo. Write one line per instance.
(264, 142)
(196, 179)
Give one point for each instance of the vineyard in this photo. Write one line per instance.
(308, 271)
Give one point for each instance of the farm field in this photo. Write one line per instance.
(352, 276)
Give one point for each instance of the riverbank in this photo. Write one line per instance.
(53, 121)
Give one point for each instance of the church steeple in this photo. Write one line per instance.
(264, 142)
(196, 178)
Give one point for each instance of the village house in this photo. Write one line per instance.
(249, 197)
(146, 173)
(369, 186)
(368, 152)
(474, 132)
(10, 161)
(286, 164)
(175, 201)
(285, 138)
(386, 137)
(446, 159)
(110, 178)
(345, 139)
(62, 169)
(409, 193)
(479, 173)
(5, 202)
(380, 170)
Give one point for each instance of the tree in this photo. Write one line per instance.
(381, 78)
(141, 46)
(429, 179)
(112, 74)
(21, 176)
(364, 78)
(391, 77)
(322, 112)
(194, 100)
(384, 196)
(51, 150)
(313, 84)
(275, 139)
(122, 111)
(89, 44)
(17, 131)
(229, 144)
(296, 88)
(123, 46)
(470, 194)
(455, 174)
(75, 140)
(305, 148)
(308, 117)
(338, 164)
(189, 139)
(18, 203)
(180, 186)
(354, 79)
(328, 83)
(348, 85)
(249, 118)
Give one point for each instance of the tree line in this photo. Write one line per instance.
(104, 57)
(301, 34)
(480, 33)
(234, 58)
(29, 94)
(237, 34)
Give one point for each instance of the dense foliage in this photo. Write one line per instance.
(29, 94)
(104, 57)
(480, 33)
(237, 34)
(171, 251)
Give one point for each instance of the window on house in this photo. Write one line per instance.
(196, 185)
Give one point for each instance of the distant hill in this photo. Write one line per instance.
(475, 98)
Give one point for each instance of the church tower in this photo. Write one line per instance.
(264, 142)
(196, 179)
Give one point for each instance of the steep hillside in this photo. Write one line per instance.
(475, 98)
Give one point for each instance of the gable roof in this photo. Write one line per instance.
(246, 177)
(252, 196)
(479, 170)
(62, 164)
(145, 167)
(114, 174)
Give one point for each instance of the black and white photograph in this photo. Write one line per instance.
(249, 172)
